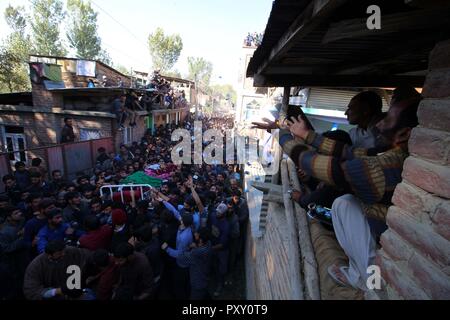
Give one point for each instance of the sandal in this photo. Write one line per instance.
(335, 277)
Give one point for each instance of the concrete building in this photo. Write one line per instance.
(32, 121)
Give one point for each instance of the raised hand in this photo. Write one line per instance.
(190, 182)
(298, 127)
(266, 125)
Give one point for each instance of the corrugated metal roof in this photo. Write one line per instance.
(404, 48)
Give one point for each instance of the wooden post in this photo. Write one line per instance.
(285, 103)
(307, 250)
(293, 249)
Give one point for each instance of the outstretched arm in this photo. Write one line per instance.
(195, 195)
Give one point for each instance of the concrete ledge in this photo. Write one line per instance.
(32, 109)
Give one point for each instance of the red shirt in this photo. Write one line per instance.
(97, 239)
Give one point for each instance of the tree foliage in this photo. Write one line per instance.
(12, 77)
(15, 50)
(16, 19)
(226, 91)
(47, 16)
(173, 73)
(104, 57)
(200, 71)
(82, 29)
(122, 69)
(164, 49)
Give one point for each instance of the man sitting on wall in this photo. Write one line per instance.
(370, 174)
(364, 111)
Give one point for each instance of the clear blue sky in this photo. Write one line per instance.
(213, 29)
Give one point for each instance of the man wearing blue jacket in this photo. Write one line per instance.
(54, 230)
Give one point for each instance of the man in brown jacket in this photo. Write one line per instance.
(47, 275)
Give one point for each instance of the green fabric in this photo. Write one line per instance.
(52, 72)
(141, 178)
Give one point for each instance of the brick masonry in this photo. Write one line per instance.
(415, 254)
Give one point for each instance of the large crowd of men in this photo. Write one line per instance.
(181, 242)
(188, 236)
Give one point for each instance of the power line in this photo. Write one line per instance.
(125, 54)
(120, 24)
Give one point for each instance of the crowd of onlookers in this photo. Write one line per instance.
(253, 39)
(180, 240)
(162, 94)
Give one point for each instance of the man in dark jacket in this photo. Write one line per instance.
(12, 189)
(240, 207)
(75, 211)
(13, 249)
(21, 175)
(67, 134)
(136, 276)
(46, 276)
(198, 259)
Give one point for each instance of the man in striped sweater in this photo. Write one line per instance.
(370, 176)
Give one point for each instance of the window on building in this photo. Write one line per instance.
(14, 140)
(128, 135)
(89, 134)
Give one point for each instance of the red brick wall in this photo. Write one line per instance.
(71, 80)
(415, 255)
(111, 75)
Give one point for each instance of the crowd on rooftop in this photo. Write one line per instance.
(253, 39)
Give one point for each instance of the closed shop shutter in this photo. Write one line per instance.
(333, 99)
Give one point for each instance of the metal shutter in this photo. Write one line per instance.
(332, 99)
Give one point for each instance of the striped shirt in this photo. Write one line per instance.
(372, 177)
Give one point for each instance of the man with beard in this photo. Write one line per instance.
(75, 211)
(57, 182)
(371, 175)
(36, 223)
(46, 276)
(54, 230)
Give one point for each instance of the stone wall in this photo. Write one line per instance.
(415, 254)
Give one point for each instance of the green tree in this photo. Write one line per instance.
(16, 19)
(173, 73)
(164, 49)
(122, 69)
(15, 50)
(226, 91)
(200, 71)
(104, 57)
(82, 29)
(47, 16)
(12, 77)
